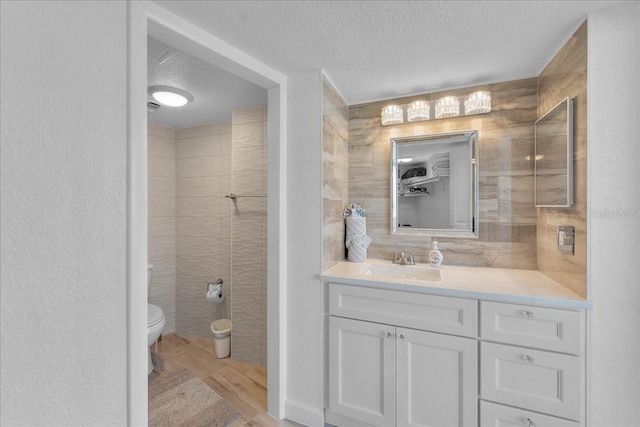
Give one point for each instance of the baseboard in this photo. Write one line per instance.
(304, 414)
(334, 420)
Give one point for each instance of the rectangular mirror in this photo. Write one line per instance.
(434, 185)
(554, 157)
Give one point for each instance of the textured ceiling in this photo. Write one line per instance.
(215, 92)
(374, 50)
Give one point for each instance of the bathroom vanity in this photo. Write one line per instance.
(457, 346)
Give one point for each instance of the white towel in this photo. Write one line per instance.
(356, 239)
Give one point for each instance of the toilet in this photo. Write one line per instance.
(155, 320)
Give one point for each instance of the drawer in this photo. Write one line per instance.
(457, 316)
(494, 415)
(536, 380)
(532, 326)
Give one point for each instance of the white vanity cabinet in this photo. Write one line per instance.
(401, 358)
(389, 374)
(470, 346)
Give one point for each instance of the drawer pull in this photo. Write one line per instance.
(388, 334)
(528, 358)
(528, 314)
(402, 336)
(529, 422)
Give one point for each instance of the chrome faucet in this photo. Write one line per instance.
(403, 258)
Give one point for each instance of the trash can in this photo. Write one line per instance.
(221, 337)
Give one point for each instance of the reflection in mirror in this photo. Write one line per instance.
(434, 188)
(554, 157)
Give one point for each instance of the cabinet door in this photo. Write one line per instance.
(437, 379)
(362, 370)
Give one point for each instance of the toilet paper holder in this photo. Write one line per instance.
(217, 284)
(214, 292)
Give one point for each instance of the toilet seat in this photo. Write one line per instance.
(154, 315)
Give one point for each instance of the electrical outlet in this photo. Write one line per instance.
(566, 237)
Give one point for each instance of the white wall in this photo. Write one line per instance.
(613, 157)
(63, 213)
(304, 249)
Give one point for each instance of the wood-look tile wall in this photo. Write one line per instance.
(335, 170)
(566, 76)
(203, 230)
(507, 223)
(161, 213)
(249, 235)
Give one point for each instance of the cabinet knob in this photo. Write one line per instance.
(388, 334)
(528, 314)
(528, 358)
(529, 422)
(402, 336)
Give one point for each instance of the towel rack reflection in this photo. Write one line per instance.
(235, 196)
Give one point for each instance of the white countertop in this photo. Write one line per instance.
(494, 284)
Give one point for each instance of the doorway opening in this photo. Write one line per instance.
(207, 170)
(150, 20)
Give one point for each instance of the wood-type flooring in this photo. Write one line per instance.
(242, 385)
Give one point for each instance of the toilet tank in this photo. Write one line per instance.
(149, 273)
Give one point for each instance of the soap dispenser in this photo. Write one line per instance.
(435, 256)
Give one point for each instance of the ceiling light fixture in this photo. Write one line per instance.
(405, 159)
(392, 115)
(170, 96)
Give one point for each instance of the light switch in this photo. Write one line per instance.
(566, 239)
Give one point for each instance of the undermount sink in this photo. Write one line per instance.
(410, 272)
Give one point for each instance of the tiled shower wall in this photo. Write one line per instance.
(203, 225)
(566, 76)
(249, 236)
(162, 220)
(335, 173)
(507, 224)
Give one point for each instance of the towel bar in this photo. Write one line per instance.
(235, 196)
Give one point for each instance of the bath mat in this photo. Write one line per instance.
(177, 398)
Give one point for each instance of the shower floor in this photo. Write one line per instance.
(240, 384)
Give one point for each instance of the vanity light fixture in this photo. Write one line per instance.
(170, 96)
(478, 103)
(449, 106)
(418, 111)
(392, 115)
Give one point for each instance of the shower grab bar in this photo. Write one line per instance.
(235, 196)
